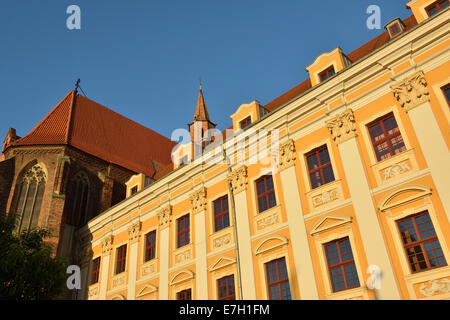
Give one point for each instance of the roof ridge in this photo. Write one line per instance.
(69, 121)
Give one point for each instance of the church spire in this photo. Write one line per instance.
(201, 112)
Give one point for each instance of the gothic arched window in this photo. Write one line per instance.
(31, 192)
(80, 200)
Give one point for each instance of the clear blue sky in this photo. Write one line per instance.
(143, 58)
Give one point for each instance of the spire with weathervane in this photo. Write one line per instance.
(201, 122)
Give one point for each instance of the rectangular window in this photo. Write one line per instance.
(183, 231)
(437, 7)
(277, 280)
(266, 193)
(150, 245)
(184, 160)
(386, 138)
(341, 265)
(319, 167)
(184, 295)
(446, 91)
(245, 123)
(134, 190)
(95, 270)
(226, 288)
(121, 259)
(420, 242)
(221, 214)
(394, 29)
(328, 73)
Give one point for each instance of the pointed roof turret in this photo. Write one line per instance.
(201, 112)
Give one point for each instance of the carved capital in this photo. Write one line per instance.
(107, 245)
(342, 127)
(412, 91)
(198, 200)
(287, 155)
(238, 179)
(133, 231)
(164, 216)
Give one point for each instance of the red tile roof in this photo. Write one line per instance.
(90, 127)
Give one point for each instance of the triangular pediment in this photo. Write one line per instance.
(403, 195)
(221, 263)
(147, 289)
(329, 222)
(271, 243)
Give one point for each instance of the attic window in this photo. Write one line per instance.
(395, 27)
(437, 7)
(394, 30)
(245, 123)
(134, 190)
(328, 73)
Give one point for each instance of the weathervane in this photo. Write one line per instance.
(77, 85)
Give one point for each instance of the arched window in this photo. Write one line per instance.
(31, 192)
(80, 200)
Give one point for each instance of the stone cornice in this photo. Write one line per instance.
(412, 91)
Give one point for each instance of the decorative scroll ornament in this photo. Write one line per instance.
(35, 174)
(238, 179)
(395, 170)
(107, 245)
(342, 127)
(133, 231)
(435, 287)
(164, 217)
(198, 200)
(287, 155)
(412, 91)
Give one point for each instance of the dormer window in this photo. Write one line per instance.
(328, 73)
(395, 27)
(134, 190)
(245, 123)
(437, 7)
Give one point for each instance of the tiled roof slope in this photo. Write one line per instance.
(201, 113)
(354, 56)
(103, 133)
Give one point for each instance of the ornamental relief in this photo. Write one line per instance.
(267, 221)
(148, 269)
(92, 292)
(342, 127)
(412, 91)
(325, 197)
(287, 155)
(396, 170)
(133, 231)
(183, 256)
(119, 280)
(238, 179)
(222, 241)
(435, 287)
(164, 216)
(198, 200)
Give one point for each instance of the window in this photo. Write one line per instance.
(277, 280)
(183, 231)
(221, 214)
(420, 242)
(328, 73)
(446, 91)
(95, 270)
(341, 265)
(386, 137)
(226, 288)
(319, 167)
(266, 193)
(134, 190)
(394, 29)
(183, 160)
(79, 205)
(437, 7)
(245, 123)
(184, 295)
(150, 245)
(30, 195)
(121, 259)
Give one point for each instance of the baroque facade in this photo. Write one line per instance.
(351, 199)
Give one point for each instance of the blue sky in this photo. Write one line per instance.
(143, 58)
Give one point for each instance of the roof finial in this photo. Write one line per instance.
(77, 85)
(200, 80)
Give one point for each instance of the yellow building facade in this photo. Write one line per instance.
(353, 201)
